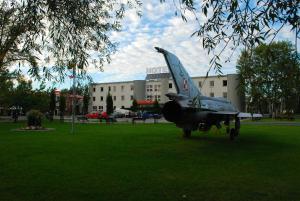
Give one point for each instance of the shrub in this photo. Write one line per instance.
(34, 118)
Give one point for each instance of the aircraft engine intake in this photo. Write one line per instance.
(172, 111)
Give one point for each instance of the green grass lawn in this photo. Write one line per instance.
(148, 162)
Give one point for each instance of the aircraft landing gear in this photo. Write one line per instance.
(227, 129)
(236, 130)
(187, 133)
(232, 133)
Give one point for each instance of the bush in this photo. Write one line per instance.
(34, 118)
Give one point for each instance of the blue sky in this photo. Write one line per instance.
(159, 26)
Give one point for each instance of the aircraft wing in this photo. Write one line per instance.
(249, 115)
(224, 113)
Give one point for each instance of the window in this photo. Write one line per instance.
(115, 98)
(170, 86)
(94, 98)
(212, 94)
(149, 97)
(114, 107)
(224, 94)
(94, 108)
(200, 84)
(122, 88)
(101, 98)
(131, 97)
(131, 87)
(94, 89)
(211, 83)
(101, 89)
(224, 83)
(122, 98)
(100, 107)
(109, 88)
(149, 88)
(123, 107)
(114, 87)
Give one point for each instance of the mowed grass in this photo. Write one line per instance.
(148, 162)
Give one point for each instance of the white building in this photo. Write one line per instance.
(156, 85)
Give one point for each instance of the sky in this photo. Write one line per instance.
(159, 26)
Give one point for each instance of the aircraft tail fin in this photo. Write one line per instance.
(183, 82)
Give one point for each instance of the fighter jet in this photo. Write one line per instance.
(190, 110)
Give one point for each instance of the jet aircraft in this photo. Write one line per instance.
(190, 110)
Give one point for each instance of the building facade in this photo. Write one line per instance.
(156, 85)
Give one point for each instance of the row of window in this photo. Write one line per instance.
(114, 98)
(152, 88)
(100, 108)
(156, 97)
(213, 95)
(155, 87)
(113, 88)
(211, 83)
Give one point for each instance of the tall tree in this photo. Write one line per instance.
(52, 104)
(134, 106)
(231, 23)
(86, 100)
(270, 77)
(6, 86)
(156, 107)
(62, 107)
(109, 104)
(68, 31)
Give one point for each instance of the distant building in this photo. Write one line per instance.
(69, 98)
(158, 83)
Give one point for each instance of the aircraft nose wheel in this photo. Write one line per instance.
(187, 133)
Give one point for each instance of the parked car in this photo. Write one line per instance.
(93, 115)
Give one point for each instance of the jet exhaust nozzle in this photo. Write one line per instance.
(172, 111)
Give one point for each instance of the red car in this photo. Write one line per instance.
(96, 115)
(93, 115)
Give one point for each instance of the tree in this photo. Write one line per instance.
(52, 104)
(86, 100)
(67, 30)
(134, 106)
(270, 77)
(156, 107)
(6, 86)
(62, 106)
(231, 23)
(109, 104)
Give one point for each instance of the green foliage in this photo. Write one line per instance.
(86, 100)
(156, 107)
(52, 104)
(6, 86)
(270, 77)
(25, 96)
(62, 106)
(109, 104)
(34, 118)
(232, 23)
(67, 29)
(134, 106)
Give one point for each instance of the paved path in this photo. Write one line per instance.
(276, 123)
